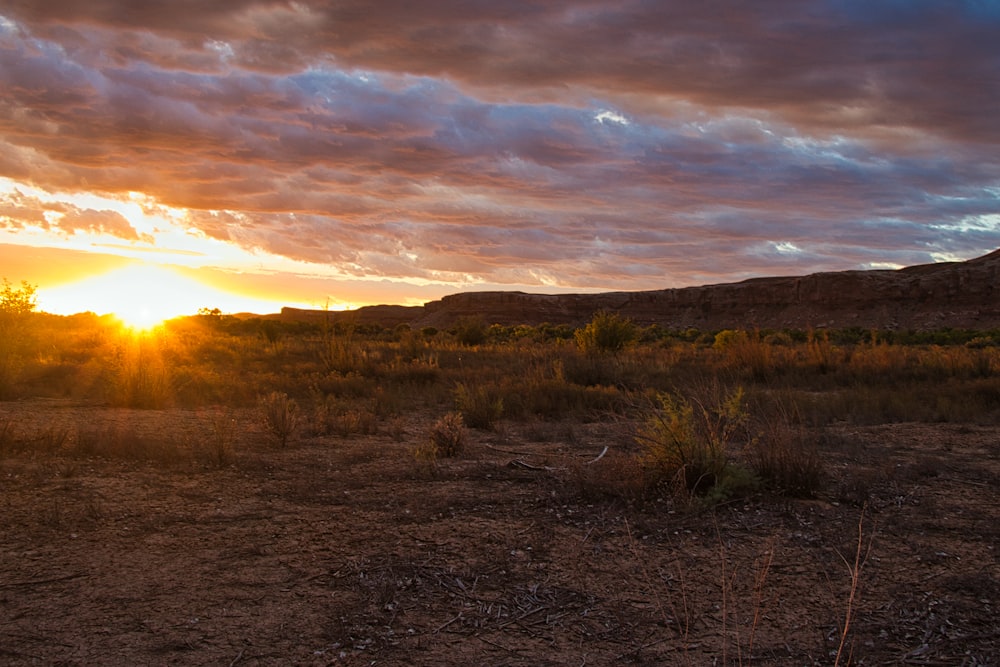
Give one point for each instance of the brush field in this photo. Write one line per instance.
(251, 492)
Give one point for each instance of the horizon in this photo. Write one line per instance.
(136, 317)
(251, 155)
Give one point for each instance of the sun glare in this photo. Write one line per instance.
(141, 296)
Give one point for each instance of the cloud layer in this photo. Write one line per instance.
(589, 144)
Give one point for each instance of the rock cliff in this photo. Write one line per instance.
(930, 296)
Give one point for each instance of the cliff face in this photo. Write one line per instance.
(931, 296)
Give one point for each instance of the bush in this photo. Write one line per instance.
(606, 332)
(784, 459)
(448, 436)
(747, 353)
(224, 431)
(141, 378)
(16, 305)
(686, 441)
(280, 415)
(480, 408)
(470, 331)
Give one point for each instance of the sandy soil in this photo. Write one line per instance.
(350, 551)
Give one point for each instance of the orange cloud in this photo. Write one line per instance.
(604, 144)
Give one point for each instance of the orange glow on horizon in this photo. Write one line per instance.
(145, 295)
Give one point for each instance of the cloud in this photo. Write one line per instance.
(18, 211)
(107, 222)
(597, 144)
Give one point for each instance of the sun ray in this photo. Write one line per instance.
(141, 295)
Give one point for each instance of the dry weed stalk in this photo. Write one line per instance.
(280, 414)
(224, 430)
(861, 554)
(760, 577)
(762, 567)
(683, 630)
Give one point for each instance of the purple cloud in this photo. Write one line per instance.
(597, 144)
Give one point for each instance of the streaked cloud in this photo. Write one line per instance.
(575, 145)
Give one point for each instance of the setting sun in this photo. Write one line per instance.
(141, 295)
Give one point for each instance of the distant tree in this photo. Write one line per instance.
(16, 304)
(17, 301)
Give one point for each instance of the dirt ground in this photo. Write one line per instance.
(351, 551)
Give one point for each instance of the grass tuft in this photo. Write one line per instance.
(280, 415)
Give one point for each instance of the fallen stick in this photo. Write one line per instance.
(518, 463)
(446, 624)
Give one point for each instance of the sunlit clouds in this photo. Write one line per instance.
(401, 153)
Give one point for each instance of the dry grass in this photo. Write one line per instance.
(280, 415)
(449, 436)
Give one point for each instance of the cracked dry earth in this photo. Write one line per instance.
(351, 551)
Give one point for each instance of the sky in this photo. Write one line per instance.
(252, 154)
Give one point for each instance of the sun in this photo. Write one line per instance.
(142, 296)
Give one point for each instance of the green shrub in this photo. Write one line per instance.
(729, 338)
(606, 333)
(686, 441)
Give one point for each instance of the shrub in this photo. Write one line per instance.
(448, 436)
(784, 459)
(606, 332)
(280, 416)
(141, 378)
(470, 331)
(223, 437)
(480, 408)
(337, 350)
(686, 441)
(591, 370)
(358, 421)
(747, 353)
(16, 305)
(729, 338)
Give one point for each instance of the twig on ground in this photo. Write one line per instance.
(518, 463)
(446, 624)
